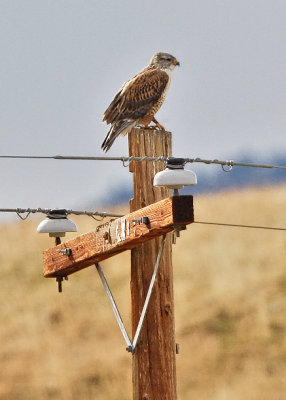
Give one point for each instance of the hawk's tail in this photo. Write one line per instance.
(118, 128)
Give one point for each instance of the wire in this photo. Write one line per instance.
(241, 225)
(231, 163)
(103, 215)
(47, 211)
(226, 163)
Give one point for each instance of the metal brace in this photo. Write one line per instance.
(131, 346)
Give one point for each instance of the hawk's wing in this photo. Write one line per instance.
(137, 96)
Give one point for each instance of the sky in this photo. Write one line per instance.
(62, 61)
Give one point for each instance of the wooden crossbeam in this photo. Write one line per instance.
(118, 235)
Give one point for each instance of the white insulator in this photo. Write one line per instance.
(57, 227)
(175, 178)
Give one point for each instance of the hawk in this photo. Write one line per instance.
(139, 99)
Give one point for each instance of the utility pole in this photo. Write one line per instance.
(154, 364)
(153, 216)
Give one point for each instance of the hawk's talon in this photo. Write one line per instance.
(158, 125)
(152, 127)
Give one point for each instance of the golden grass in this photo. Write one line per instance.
(230, 299)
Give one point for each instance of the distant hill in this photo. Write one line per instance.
(240, 177)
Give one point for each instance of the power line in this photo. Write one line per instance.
(93, 214)
(232, 163)
(241, 225)
(227, 165)
(48, 211)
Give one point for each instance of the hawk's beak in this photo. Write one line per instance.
(176, 62)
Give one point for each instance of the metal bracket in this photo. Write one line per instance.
(131, 346)
(142, 220)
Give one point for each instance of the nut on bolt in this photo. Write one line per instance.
(67, 251)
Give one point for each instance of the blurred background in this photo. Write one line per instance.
(61, 64)
(63, 61)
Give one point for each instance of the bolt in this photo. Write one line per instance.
(67, 251)
(177, 348)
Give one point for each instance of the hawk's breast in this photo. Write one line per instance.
(155, 107)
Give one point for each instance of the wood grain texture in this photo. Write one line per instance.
(118, 235)
(154, 364)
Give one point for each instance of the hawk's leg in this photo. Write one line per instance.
(157, 125)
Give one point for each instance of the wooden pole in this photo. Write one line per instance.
(154, 364)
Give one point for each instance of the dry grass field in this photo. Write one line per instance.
(230, 299)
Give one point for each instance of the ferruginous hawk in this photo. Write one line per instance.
(139, 99)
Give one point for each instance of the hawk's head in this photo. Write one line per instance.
(164, 61)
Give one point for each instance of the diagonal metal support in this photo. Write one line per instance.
(114, 306)
(144, 309)
(131, 346)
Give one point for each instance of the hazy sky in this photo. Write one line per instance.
(63, 60)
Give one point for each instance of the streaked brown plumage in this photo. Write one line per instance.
(139, 99)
